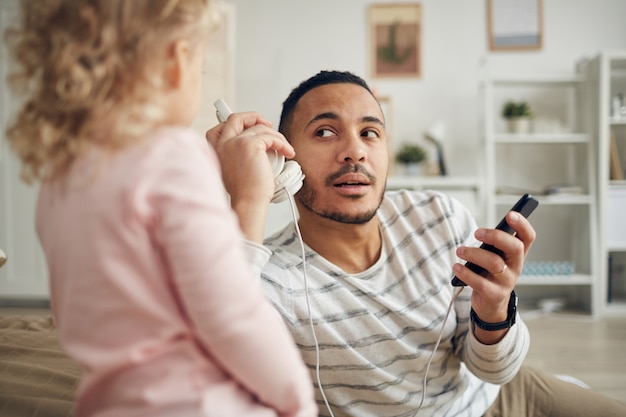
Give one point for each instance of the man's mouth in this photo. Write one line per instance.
(351, 176)
(351, 180)
(350, 184)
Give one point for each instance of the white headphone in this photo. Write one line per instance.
(288, 176)
(288, 180)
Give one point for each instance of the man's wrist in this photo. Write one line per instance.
(506, 324)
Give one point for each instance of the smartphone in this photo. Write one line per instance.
(525, 206)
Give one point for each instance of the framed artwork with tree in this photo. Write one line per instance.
(395, 35)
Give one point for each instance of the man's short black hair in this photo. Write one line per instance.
(318, 80)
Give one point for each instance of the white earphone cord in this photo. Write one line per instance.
(308, 306)
(432, 355)
(317, 350)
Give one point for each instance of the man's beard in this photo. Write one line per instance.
(307, 196)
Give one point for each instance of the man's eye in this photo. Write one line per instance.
(324, 133)
(370, 134)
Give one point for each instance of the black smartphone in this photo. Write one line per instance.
(525, 205)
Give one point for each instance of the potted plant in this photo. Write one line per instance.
(517, 114)
(411, 155)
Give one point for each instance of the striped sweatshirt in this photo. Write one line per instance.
(377, 329)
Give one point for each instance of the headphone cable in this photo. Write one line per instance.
(308, 305)
(432, 355)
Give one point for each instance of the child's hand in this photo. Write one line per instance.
(241, 144)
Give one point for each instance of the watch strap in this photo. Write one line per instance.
(506, 324)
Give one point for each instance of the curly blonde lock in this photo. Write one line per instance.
(87, 71)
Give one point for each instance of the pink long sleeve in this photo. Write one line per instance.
(152, 293)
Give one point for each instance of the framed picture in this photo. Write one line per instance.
(514, 24)
(395, 35)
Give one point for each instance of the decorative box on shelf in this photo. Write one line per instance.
(548, 268)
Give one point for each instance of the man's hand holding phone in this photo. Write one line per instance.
(492, 270)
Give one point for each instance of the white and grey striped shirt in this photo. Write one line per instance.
(376, 329)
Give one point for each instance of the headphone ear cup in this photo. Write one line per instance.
(288, 182)
(277, 161)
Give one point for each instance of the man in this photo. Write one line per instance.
(368, 302)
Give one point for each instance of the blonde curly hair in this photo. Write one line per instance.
(88, 72)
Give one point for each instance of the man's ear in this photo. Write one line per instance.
(178, 61)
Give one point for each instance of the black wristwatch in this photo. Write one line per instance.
(506, 324)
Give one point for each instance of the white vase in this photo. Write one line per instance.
(413, 169)
(519, 125)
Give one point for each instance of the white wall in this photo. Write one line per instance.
(24, 274)
(281, 42)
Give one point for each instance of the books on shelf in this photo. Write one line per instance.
(616, 170)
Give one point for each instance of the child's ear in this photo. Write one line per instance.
(178, 55)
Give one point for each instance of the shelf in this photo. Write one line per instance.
(523, 79)
(615, 308)
(617, 121)
(621, 73)
(555, 200)
(575, 279)
(434, 182)
(539, 138)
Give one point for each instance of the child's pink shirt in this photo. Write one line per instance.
(152, 293)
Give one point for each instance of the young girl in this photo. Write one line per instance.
(150, 287)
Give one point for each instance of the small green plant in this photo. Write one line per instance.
(410, 153)
(512, 109)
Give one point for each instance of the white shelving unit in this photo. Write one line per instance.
(558, 151)
(607, 72)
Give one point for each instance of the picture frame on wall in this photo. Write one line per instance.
(515, 25)
(395, 37)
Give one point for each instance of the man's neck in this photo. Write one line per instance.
(352, 247)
